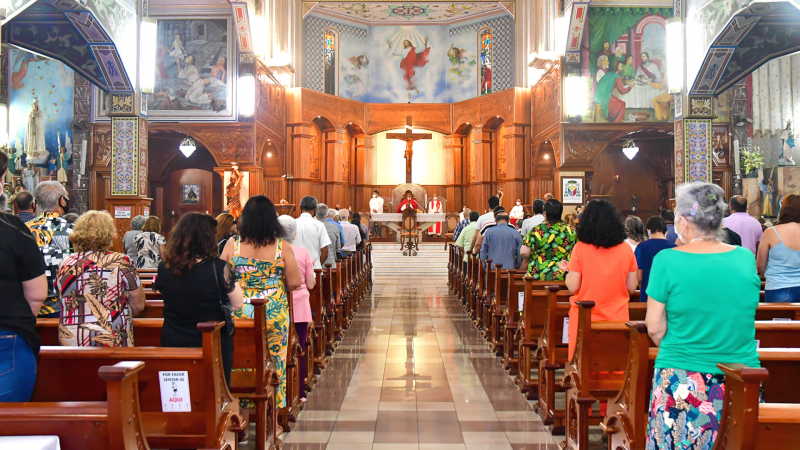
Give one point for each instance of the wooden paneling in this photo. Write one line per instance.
(540, 187)
(636, 177)
(176, 207)
(387, 116)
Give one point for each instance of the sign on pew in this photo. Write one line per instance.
(175, 395)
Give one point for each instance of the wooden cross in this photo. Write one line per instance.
(409, 136)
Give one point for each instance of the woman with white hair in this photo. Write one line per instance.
(301, 306)
(701, 307)
(127, 240)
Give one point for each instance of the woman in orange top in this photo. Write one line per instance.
(602, 267)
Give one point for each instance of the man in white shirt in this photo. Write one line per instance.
(376, 207)
(352, 235)
(536, 219)
(517, 212)
(484, 220)
(311, 233)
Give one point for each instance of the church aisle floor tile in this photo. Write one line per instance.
(412, 373)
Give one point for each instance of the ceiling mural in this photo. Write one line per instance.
(408, 12)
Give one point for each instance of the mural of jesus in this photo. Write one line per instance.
(410, 62)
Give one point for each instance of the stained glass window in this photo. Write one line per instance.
(485, 68)
(330, 61)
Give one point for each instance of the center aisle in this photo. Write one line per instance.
(413, 373)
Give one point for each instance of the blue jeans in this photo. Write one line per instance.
(785, 295)
(17, 368)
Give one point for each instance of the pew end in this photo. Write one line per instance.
(114, 424)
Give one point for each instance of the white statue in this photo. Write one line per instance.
(787, 135)
(34, 135)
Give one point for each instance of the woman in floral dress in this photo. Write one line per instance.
(98, 289)
(149, 244)
(265, 268)
(548, 243)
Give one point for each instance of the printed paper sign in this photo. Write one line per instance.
(175, 392)
(122, 212)
(146, 212)
(565, 335)
(781, 319)
(521, 300)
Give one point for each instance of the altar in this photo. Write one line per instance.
(395, 220)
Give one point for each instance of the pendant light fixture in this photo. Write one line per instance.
(630, 149)
(187, 146)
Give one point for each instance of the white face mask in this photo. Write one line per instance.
(679, 233)
(374, 195)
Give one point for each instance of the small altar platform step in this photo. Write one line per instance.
(388, 260)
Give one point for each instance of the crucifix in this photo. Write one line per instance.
(409, 136)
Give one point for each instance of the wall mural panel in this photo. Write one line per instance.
(626, 69)
(49, 84)
(442, 69)
(194, 74)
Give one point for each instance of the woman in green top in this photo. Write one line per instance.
(701, 311)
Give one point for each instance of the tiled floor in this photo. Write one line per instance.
(413, 374)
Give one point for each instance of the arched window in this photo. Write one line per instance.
(331, 66)
(485, 44)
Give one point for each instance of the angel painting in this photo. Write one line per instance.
(351, 70)
(459, 58)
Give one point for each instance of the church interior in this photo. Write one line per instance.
(169, 107)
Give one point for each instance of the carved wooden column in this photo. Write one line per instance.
(514, 186)
(363, 175)
(484, 173)
(256, 181)
(454, 177)
(335, 160)
(299, 165)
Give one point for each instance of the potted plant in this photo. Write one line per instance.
(751, 161)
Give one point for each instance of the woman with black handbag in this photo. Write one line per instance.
(197, 286)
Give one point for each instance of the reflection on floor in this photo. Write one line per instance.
(412, 373)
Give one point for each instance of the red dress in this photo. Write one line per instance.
(409, 66)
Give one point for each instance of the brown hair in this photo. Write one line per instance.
(790, 209)
(192, 239)
(225, 223)
(94, 231)
(152, 224)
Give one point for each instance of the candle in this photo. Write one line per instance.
(83, 157)
(736, 155)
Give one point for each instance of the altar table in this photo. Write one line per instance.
(395, 220)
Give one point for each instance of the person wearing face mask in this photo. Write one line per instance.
(408, 202)
(701, 307)
(517, 212)
(52, 236)
(435, 206)
(376, 207)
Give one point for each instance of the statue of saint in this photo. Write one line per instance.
(232, 193)
(34, 135)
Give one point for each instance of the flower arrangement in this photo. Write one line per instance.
(752, 159)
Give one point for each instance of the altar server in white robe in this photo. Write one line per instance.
(435, 206)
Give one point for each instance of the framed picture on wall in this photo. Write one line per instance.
(191, 194)
(572, 192)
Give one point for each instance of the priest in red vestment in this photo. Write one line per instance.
(435, 206)
(408, 202)
(411, 60)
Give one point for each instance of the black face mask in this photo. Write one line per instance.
(65, 206)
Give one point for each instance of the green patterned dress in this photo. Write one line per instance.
(264, 279)
(550, 244)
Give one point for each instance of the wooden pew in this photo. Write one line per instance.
(320, 324)
(329, 294)
(749, 425)
(772, 311)
(516, 285)
(215, 419)
(288, 414)
(114, 423)
(551, 354)
(626, 419)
